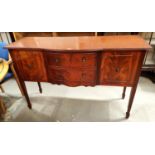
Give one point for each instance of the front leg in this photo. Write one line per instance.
(23, 86)
(132, 95)
(134, 87)
(40, 88)
(123, 94)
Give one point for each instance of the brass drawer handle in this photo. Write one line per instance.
(83, 59)
(117, 69)
(111, 57)
(29, 66)
(57, 60)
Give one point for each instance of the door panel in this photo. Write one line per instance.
(118, 67)
(30, 65)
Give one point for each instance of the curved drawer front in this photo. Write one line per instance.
(74, 83)
(71, 59)
(72, 76)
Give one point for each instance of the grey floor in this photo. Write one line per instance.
(79, 104)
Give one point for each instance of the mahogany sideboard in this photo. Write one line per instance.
(75, 61)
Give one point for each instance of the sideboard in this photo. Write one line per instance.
(76, 61)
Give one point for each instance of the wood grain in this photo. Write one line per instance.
(76, 61)
(71, 75)
(71, 59)
(118, 67)
(30, 64)
(81, 44)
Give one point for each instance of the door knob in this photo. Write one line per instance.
(84, 59)
(57, 60)
(117, 69)
(30, 65)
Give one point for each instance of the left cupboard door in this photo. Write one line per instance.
(30, 65)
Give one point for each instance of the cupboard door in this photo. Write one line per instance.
(30, 65)
(118, 68)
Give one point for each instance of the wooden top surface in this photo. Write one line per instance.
(88, 43)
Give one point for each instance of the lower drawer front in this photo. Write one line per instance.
(72, 76)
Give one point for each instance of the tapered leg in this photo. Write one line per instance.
(2, 89)
(123, 94)
(134, 87)
(132, 95)
(16, 78)
(23, 86)
(2, 107)
(39, 85)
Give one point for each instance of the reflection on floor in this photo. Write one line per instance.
(79, 104)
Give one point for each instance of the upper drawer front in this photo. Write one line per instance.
(118, 67)
(71, 59)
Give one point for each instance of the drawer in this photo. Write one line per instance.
(71, 75)
(118, 67)
(71, 59)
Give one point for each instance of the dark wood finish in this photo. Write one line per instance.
(123, 94)
(26, 94)
(134, 88)
(31, 65)
(65, 76)
(81, 44)
(118, 68)
(16, 78)
(40, 88)
(2, 108)
(75, 61)
(2, 89)
(81, 60)
(71, 69)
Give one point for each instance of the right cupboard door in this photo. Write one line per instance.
(119, 67)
